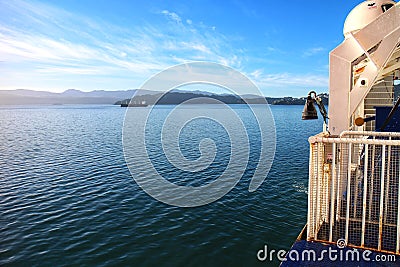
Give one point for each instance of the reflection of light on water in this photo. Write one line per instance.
(301, 188)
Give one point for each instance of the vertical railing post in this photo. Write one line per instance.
(339, 178)
(317, 197)
(310, 195)
(333, 193)
(382, 197)
(364, 211)
(387, 181)
(348, 194)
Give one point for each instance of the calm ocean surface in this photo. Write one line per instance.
(67, 197)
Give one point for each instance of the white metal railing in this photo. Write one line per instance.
(354, 190)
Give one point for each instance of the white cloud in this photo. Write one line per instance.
(285, 80)
(197, 47)
(313, 51)
(256, 74)
(275, 50)
(65, 43)
(173, 16)
(59, 43)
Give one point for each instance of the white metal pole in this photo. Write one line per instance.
(333, 193)
(310, 195)
(348, 194)
(382, 197)
(387, 180)
(338, 187)
(364, 195)
(317, 192)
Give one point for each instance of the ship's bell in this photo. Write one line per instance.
(309, 111)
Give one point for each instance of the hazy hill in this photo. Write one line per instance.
(177, 97)
(71, 96)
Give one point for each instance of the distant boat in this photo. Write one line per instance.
(134, 104)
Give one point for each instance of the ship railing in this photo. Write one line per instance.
(354, 190)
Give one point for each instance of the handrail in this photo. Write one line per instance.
(317, 139)
(352, 178)
(384, 134)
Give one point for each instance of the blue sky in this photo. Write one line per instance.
(116, 45)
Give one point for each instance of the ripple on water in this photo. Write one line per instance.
(67, 197)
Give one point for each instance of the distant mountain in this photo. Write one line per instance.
(74, 96)
(187, 91)
(176, 97)
(297, 101)
(74, 93)
(103, 93)
(70, 96)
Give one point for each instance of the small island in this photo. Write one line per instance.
(177, 97)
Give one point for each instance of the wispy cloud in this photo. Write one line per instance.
(51, 40)
(256, 74)
(172, 16)
(44, 44)
(313, 51)
(302, 82)
(307, 80)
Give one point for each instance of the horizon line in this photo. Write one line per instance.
(126, 90)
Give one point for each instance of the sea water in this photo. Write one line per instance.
(68, 198)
